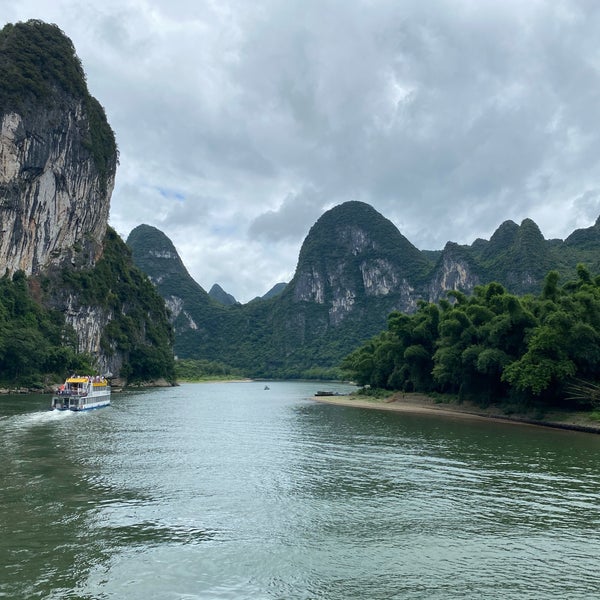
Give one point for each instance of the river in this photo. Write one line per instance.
(231, 491)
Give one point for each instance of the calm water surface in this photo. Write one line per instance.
(232, 491)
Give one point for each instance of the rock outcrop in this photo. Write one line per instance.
(455, 270)
(53, 201)
(58, 159)
(58, 154)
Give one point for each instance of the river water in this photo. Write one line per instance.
(232, 491)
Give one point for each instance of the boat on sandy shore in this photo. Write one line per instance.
(82, 392)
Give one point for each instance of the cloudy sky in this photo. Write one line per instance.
(239, 123)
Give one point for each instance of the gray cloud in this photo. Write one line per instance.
(240, 123)
(292, 220)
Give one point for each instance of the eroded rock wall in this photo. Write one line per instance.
(53, 202)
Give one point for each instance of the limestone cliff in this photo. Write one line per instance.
(455, 270)
(58, 160)
(57, 155)
(53, 207)
(353, 255)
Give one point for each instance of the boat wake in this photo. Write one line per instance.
(24, 421)
(47, 416)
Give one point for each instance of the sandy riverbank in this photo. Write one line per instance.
(421, 404)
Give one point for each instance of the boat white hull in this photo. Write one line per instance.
(89, 406)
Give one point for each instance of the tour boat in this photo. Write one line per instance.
(82, 393)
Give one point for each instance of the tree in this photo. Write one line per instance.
(492, 344)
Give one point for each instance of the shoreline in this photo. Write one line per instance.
(216, 380)
(420, 404)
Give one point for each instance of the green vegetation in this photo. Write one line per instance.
(282, 337)
(36, 61)
(40, 69)
(518, 256)
(204, 370)
(139, 328)
(539, 350)
(36, 346)
(296, 335)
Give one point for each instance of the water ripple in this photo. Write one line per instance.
(242, 493)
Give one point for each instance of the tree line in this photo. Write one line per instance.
(491, 346)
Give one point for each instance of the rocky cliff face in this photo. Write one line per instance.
(53, 202)
(454, 271)
(58, 161)
(89, 323)
(352, 256)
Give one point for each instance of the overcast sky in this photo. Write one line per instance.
(240, 122)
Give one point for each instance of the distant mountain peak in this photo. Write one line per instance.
(154, 252)
(354, 269)
(275, 290)
(218, 294)
(356, 228)
(353, 254)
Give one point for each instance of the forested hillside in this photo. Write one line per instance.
(138, 329)
(354, 269)
(38, 347)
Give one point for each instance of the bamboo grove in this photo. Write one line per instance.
(493, 345)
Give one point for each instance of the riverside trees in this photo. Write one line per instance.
(491, 345)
